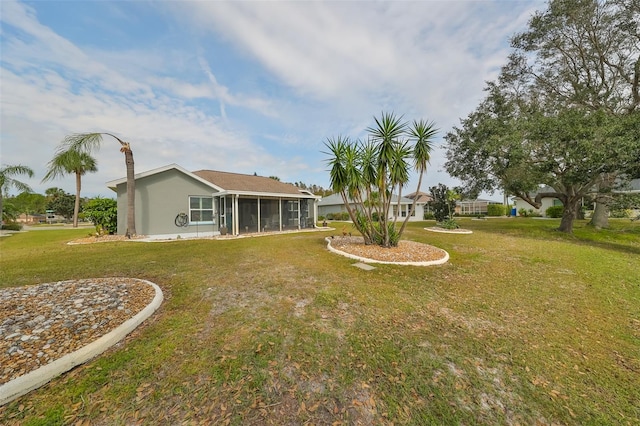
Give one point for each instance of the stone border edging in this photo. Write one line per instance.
(448, 231)
(445, 259)
(36, 378)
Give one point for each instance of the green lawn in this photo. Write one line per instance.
(524, 325)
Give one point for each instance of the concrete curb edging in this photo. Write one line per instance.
(36, 378)
(445, 259)
(448, 231)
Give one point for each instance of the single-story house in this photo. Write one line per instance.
(171, 202)
(519, 203)
(335, 204)
(632, 187)
(30, 219)
(474, 207)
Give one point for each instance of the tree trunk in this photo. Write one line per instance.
(413, 205)
(76, 206)
(569, 215)
(131, 192)
(600, 217)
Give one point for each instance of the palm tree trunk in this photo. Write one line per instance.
(76, 207)
(413, 205)
(131, 192)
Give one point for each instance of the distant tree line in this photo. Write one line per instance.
(314, 189)
(55, 200)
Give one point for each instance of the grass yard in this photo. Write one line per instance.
(523, 326)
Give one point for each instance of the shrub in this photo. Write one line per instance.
(103, 213)
(449, 224)
(443, 203)
(554, 211)
(621, 213)
(495, 210)
(12, 226)
(394, 236)
(429, 216)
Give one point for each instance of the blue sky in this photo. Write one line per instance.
(247, 86)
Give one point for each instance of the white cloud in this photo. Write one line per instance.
(310, 70)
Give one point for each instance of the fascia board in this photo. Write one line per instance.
(112, 184)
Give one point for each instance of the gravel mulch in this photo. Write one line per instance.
(41, 323)
(406, 251)
(106, 239)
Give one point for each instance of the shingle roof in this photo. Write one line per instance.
(336, 199)
(248, 183)
(423, 197)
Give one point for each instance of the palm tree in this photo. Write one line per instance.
(422, 133)
(67, 162)
(387, 134)
(6, 181)
(87, 142)
(370, 174)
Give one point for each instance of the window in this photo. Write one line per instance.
(201, 209)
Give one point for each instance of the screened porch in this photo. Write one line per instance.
(243, 214)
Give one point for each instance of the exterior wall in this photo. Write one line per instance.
(339, 208)
(519, 203)
(159, 199)
(325, 210)
(419, 214)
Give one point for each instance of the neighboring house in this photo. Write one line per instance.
(519, 203)
(474, 207)
(31, 219)
(422, 203)
(171, 202)
(334, 204)
(633, 187)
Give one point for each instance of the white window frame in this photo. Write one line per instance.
(212, 209)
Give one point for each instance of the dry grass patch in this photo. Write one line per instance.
(522, 326)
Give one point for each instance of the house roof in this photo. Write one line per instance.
(331, 200)
(478, 200)
(422, 197)
(235, 183)
(336, 199)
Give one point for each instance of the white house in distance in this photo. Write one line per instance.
(333, 204)
(518, 203)
(171, 202)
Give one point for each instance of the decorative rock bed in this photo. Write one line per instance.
(48, 329)
(406, 253)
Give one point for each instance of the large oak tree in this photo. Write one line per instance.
(562, 111)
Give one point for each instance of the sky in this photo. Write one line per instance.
(243, 86)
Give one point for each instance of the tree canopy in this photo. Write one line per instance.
(87, 143)
(71, 161)
(564, 110)
(7, 181)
